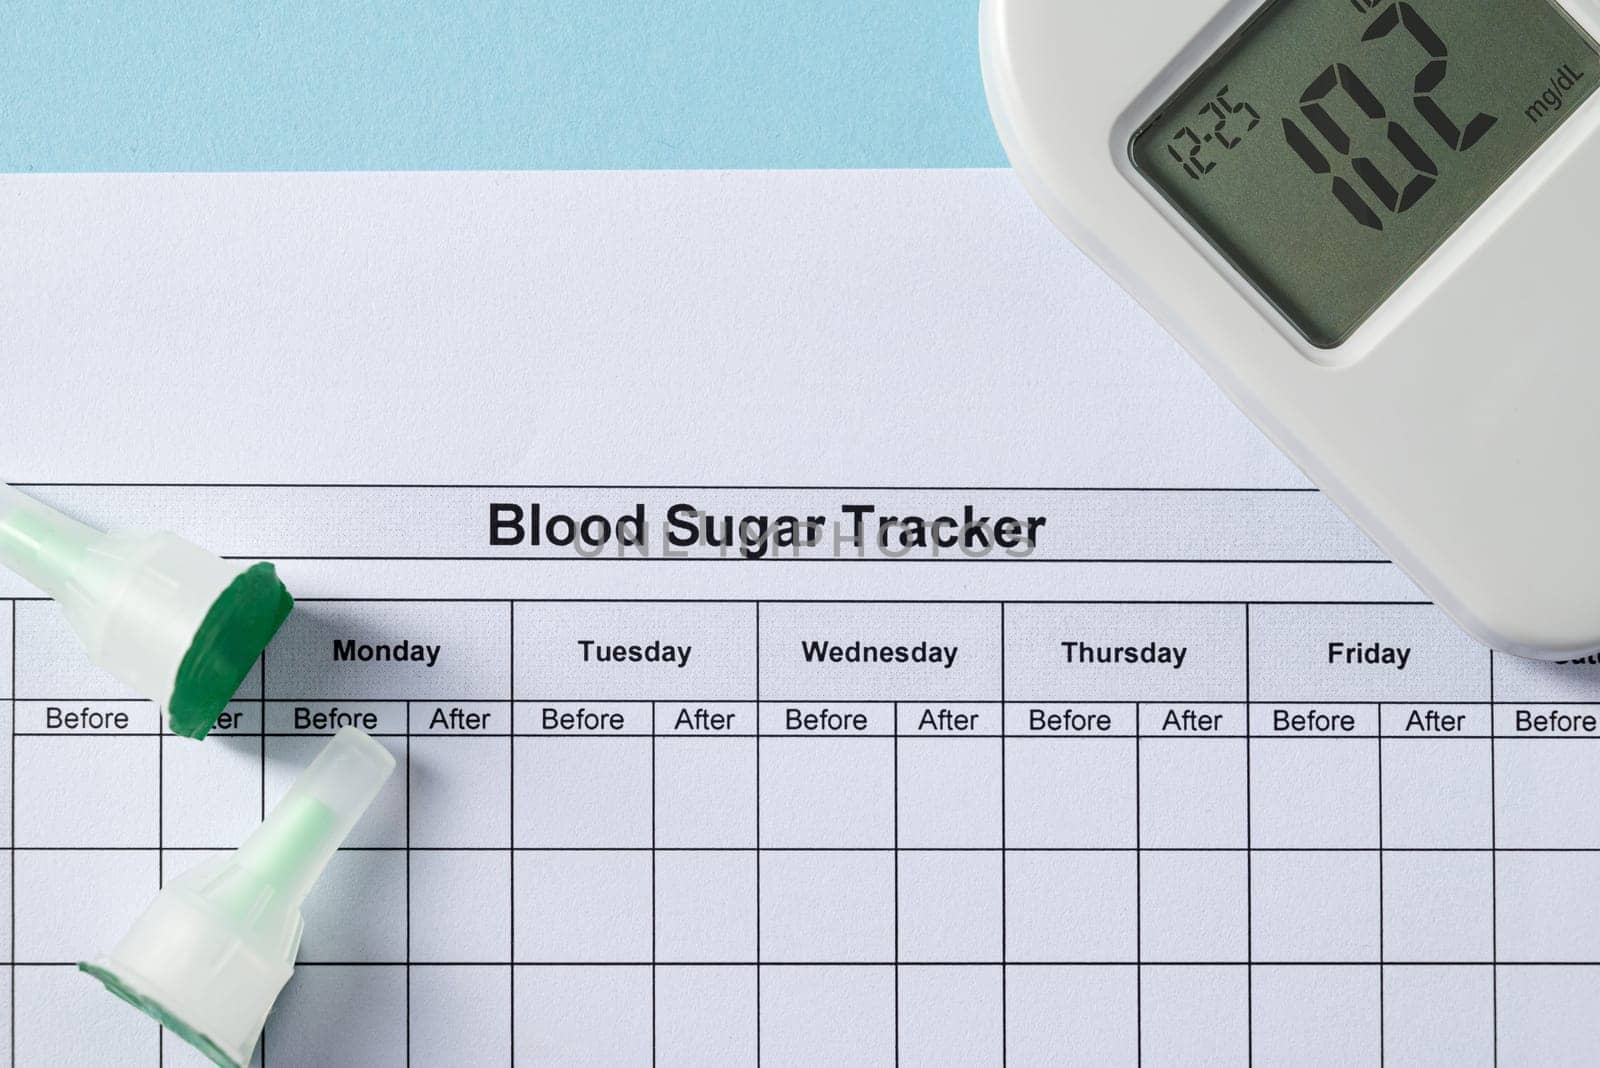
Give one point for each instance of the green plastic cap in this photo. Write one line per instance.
(233, 636)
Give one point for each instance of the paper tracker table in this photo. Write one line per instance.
(940, 832)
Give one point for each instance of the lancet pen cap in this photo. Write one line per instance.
(179, 625)
(210, 955)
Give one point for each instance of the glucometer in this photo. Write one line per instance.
(1374, 223)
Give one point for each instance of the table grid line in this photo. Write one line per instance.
(655, 930)
(1138, 887)
(1249, 868)
(12, 843)
(1494, 874)
(1005, 932)
(408, 884)
(823, 736)
(261, 674)
(161, 859)
(511, 841)
(758, 831)
(769, 701)
(1388, 850)
(969, 602)
(888, 965)
(895, 801)
(1383, 1043)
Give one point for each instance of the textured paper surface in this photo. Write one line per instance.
(773, 328)
(1160, 796)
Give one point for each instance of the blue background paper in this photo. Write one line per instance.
(308, 85)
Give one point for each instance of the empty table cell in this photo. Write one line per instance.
(1194, 793)
(843, 1017)
(62, 1020)
(302, 1030)
(459, 904)
(1442, 1014)
(821, 907)
(107, 891)
(1438, 793)
(1195, 1015)
(827, 792)
(1071, 908)
(950, 906)
(1194, 907)
(1321, 908)
(1545, 793)
(87, 792)
(705, 793)
(211, 794)
(951, 1015)
(864, 652)
(1074, 1015)
(1545, 907)
(703, 1015)
(1366, 653)
(1546, 1015)
(583, 907)
(949, 794)
(1314, 793)
(705, 906)
(460, 792)
(1438, 907)
(591, 1015)
(1317, 1017)
(591, 792)
(1125, 653)
(1071, 793)
(358, 913)
(619, 651)
(463, 1019)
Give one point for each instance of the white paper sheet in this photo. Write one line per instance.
(1193, 777)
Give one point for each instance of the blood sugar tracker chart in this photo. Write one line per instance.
(836, 791)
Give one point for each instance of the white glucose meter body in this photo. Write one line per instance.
(1375, 224)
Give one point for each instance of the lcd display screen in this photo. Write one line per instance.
(1331, 145)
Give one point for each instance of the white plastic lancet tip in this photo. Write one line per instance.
(210, 955)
